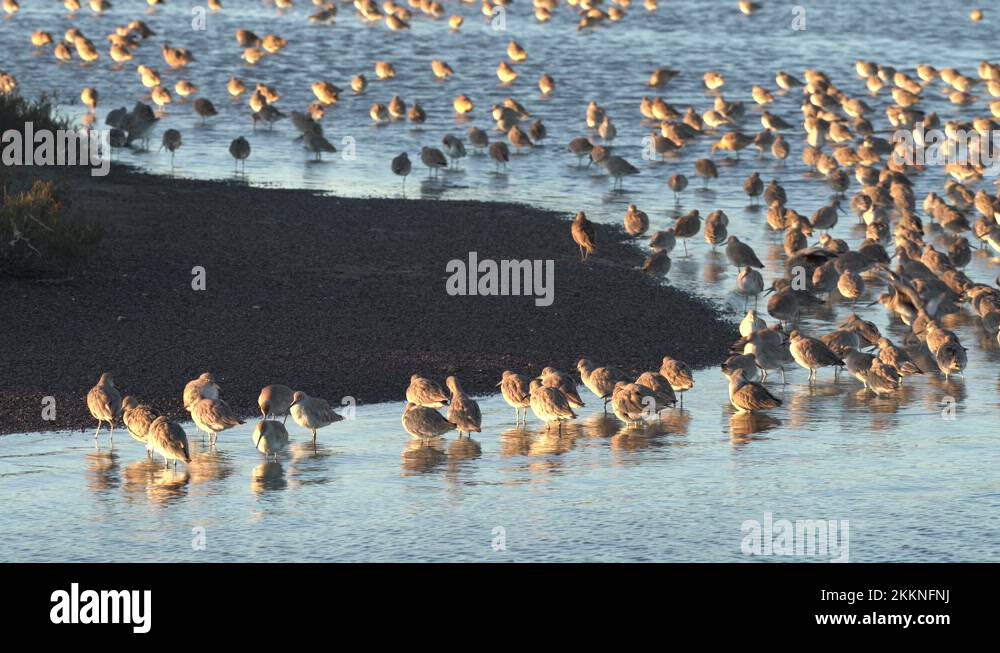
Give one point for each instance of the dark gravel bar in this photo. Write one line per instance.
(338, 297)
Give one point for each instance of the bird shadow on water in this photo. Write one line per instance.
(102, 470)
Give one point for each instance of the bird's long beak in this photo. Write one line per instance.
(769, 290)
(293, 403)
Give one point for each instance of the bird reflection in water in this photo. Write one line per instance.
(746, 427)
(714, 269)
(600, 425)
(102, 471)
(268, 477)
(168, 486)
(423, 455)
(515, 442)
(640, 437)
(210, 465)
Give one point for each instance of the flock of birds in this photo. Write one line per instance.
(922, 284)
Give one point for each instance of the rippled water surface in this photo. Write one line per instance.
(913, 486)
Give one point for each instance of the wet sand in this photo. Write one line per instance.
(338, 297)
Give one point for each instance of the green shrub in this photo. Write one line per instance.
(37, 239)
(15, 111)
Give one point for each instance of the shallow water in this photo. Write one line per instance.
(913, 485)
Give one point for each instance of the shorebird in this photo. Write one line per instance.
(401, 166)
(462, 105)
(204, 108)
(677, 183)
(89, 98)
(898, 358)
(583, 235)
(581, 147)
(600, 380)
(663, 395)
(740, 254)
(235, 87)
(549, 404)
(636, 221)
(105, 403)
(171, 141)
(780, 148)
(358, 84)
(168, 439)
(751, 323)
(880, 378)
(656, 264)
(632, 402)
(463, 411)
(748, 396)
(423, 422)
(426, 393)
(617, 168)
(500, 154)
(749, 283)
(204, 387)
(441, 69)
(384, 70)
(270, 437)
(678, 375)
(716, 228)
(454, 148)
(316, 143)
(213, 416)
(137, 419)
(416, 114)
(546, 84)
(850, 285)
(732, 142)
(274, 399)
(434, 159)
(553, 378)
(663, 241)
(516, 391)
(312, 413)
(537, 132)
(951, 358)
(753, 186)
(239, 149)
(478, 138)
(705, 169)
(811, 354)
(687, 226)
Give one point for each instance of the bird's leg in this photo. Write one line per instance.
(98, 431)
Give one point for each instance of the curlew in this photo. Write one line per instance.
(812, 354)
(434, 159)
(636, 221)
(424, 422)
(204, 387)
(401, 167)
(105, 403)
(239, 149)
(678, 375)
(549, 404)
(274, 400)
(270, 437)
(463, 411)
(748, 396)
(169, 440)
(553, 378)
(599, 380)
(426, 393)
(705, 169)
(516, 391)
(213, 416)
(583, 235)
(312, 413)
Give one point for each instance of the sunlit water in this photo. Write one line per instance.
(913, 485)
